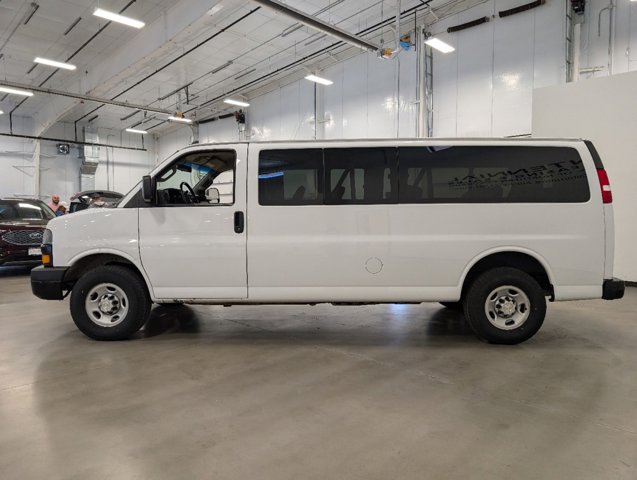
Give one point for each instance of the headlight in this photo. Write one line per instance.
(47, 248)
(47, 237)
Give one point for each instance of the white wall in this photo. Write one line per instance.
(485, 87)
(118, 170)
(17, 165)
(285, 113)
(604, 111)
(594, 48)
(365, 100)
(361, 103)
(225, 130)
(172, 141)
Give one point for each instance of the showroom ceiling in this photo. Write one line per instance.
(234, 48)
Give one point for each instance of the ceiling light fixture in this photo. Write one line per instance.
(317, 79)
(238, 103)
(134, 130)
(215, 9)
(221, 67)
(1, 112)
(115, 17)
(179, 119)
(439, 45)
(53, 63)
(16, 91)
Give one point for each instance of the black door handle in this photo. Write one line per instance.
(239, 222)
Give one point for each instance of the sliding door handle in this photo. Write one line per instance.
(239, 222)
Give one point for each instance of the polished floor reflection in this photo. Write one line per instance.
(282, 392)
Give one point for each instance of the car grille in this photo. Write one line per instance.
(23, 237)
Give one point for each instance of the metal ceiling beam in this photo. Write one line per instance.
(87, 98)
(319, 25)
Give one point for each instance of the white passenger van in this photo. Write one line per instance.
(494, 227)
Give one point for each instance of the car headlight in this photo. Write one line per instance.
(47, 237)
(47, 248)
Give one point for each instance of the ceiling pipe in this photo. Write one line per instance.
(319, 25)
(66, 140)
(371, 29)
(87, 98)
(74, 53)
(179, 57)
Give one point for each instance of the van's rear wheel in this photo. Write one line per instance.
(505, 305)
(110, 303)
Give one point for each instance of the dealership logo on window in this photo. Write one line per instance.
(550, 172)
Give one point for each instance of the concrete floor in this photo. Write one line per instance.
(316, 393)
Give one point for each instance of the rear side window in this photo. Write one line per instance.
(497, 174)
(360, 176)
(291, 177)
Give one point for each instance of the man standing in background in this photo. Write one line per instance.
(55, 202)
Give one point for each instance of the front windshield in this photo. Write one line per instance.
(22, 210)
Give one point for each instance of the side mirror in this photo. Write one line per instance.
(212, 195)
(148, 189)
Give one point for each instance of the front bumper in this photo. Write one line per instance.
(47, 283)
(19, 257)
(613, 289)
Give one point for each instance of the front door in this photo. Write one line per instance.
(191, 241)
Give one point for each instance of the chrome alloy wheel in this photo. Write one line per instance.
(507, 307)
(106, 305)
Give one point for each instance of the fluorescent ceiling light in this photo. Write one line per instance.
(114, 17)
(221, 67)
(439, 45)
(238, 103)
(179, 119)
(321, 80)
(134, 130)
(215, 9)
(53, 63)
(16, 91)
(1, 112)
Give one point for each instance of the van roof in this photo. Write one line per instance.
(408, 139)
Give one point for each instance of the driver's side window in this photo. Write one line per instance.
(199, 178)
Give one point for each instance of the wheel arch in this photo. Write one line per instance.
(89, 260)
(523, 259)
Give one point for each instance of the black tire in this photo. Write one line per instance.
(137, 302)
(478, 294)
(455, 306)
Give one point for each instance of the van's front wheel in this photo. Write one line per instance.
(109, 303)
(505, 305)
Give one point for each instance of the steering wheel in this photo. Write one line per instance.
(187, 199)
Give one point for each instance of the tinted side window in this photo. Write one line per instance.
(360, 175)
(498, 174)
(291, 177)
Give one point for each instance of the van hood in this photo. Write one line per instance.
(83, 218)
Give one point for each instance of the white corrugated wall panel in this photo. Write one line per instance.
(333, 102)
(475, 74)
(485, 87)
(408, 106)
(355, 94)
(513, 58)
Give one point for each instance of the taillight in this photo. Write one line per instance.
(607, 194)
